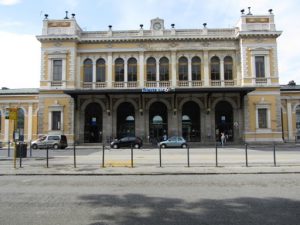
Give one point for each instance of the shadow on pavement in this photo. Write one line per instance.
(132, 209)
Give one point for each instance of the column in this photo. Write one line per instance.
(157, 73)
(141, 69)
(222, 72)
(109, 70)
(190, 71)
(64, 72)
(94, 75)
(206, 68)
(173, 68)
(290, 124)
(125, 72)
(29, 128)
(267, 69)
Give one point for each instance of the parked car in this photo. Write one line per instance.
(50, 141)
(175, 141)
(135, 142)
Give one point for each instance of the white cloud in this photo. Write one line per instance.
(20, 60)
(9, 2)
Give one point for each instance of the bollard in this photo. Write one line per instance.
(103, 149)
(246, 152)
(20, 154)
(47, 156)
(30, 149)
(216, 155)
(131, 156)
(274, 154)
(74, 149)
(188, 156)
(159, 156)
(8, 149)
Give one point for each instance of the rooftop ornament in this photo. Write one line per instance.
(110, 26)
(271, 11)
(243, 11)
(66, 17)
(249, 13)
(141, 26)
(292, 83)
(204, 25)
(46, 16)
(73, 15)
(173, 25)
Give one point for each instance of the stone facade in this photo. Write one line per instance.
(98, 85)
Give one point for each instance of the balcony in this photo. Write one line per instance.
(56, 83)
(157, 83)
(193, 83)
(160, 84)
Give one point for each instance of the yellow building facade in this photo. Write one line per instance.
(197, 83)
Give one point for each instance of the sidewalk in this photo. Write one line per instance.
(147, 162)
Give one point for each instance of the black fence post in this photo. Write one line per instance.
(103, 149)
(188, 156)
(274, 154)
(20, 153)
(246, 152)
(159, 156)
(8, 149)
(216, 155)
(30, 149)
(131, 156)
(74, 149)
(47, 156)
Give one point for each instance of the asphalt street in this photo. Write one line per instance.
(260, 199)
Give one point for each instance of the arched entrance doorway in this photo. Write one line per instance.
(191, 121)
(224, 120)
(93, 123)
(125, 120)
(158, 121)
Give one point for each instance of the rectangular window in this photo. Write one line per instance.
(57, 70)
(260, 66)
(196, 72)
(56, 120)
(262, 118)
(100, 71)
(132, 73)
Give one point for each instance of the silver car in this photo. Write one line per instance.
(50, 141)
(175, 141)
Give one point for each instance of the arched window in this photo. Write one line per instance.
(151, 69)
(132, 69)
(196, 68)
(228, 67)
(88, 70)
(119, 70)
(183, 68)
(215, 68)
(163, 69)
(20, 123)
(100, 70)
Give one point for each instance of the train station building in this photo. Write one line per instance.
(196, 83)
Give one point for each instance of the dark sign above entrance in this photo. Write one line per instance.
(158, 89)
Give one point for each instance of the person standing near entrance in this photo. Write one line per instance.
(222, 138)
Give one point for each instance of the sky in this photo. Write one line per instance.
(21, 21)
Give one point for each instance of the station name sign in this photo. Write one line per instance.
(163, 89)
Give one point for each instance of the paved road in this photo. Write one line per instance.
(150, 200)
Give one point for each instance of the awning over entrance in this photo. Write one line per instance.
(156, 90)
